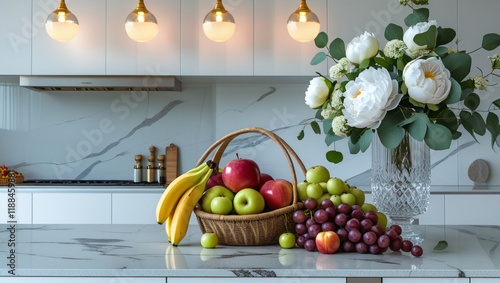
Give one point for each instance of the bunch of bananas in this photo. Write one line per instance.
(179, 199)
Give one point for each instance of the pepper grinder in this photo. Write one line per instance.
(138, 169)
(160, 170)
(151, 169)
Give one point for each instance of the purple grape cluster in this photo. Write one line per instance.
(358, 230)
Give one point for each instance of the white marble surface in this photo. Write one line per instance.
(143, 251)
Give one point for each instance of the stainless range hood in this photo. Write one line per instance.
(100, 83)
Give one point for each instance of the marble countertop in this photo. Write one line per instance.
(143, 251)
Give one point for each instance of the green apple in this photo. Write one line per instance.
(317, 174)
(382, 220)
(287, 240)
(336, 186)
(248, 201)
(368, 206)
(209, 240)
(314, 190)
(336, 200)
(221, 205)
(211, 193)
(302, 190)
(348, 198)
(359, 195)
(323, 185)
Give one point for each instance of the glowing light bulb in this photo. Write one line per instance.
(218, 24)
(303, 25)
(141, 25)
(61, 24)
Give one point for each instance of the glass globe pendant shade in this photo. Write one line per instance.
(218, 24)
(140, 24)
(303, 25)
(61, 24)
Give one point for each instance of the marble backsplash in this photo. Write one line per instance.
(95, 135)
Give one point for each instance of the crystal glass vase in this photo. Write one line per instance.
(401, 179)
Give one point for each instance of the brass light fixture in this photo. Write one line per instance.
(141, 25)
(303, 25)
(61, 24)
(218, 24)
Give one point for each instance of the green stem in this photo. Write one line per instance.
(402, 154)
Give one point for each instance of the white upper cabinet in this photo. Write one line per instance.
(276, 53)
(159, 56)
(16, 33)
(84, 54)
(201, 56)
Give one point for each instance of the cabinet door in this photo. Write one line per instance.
(16, 32)
(472, 209)
(256, 279)
(276, 53)
(84, 54)
(426, 280)
(22, 206)
(159, 56)
(15, 279)
(201, 56)
(435, 213)
(134, 208)
(71, 208)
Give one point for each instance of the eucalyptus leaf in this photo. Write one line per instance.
(337, 48)
(334, 156)
(472, 101)
(458, 64)
(493, 126)
(441, 245)
(383, 63)
(455, 92)
(497, 103)
(331, 138)
(418, 128)
(365, 140)
(438, 137)
(490, 41)
(427, 38)
(448, 119)
(364, 64)
(389, 131)
(353, 147)
(445, 35)
(393, 31)
(315, 127)
(318, 58)
(321, 40)
(418, 15)
(301, 135)
(478, 123)
(466, 120)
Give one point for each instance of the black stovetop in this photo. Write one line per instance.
(46, 182)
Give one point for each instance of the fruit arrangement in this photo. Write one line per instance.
(336, 218)
(240, 188)
(177, 202)
(4, 175)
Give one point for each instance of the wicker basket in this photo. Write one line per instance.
(5, 181)
(255, 229)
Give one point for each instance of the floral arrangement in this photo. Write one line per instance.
(415, 85)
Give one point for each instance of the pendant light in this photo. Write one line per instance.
(218, 24)
(303, 25)
(140, 24)
(61, 24)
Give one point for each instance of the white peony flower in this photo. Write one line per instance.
(340, 127)
(427, 80)
(317, 92)
(368, 98)
(410, 33)
(362, 47)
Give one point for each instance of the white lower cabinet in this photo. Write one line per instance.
(426, 280)
(472, 209)
(484, 280)
(72, 208)
(15, 279)
(255, 279)
(134, 208)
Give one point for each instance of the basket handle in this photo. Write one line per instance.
(223, 142)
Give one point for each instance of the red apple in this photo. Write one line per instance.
(264, 178)
(215, 180)
(277, 193)
(239, 174)
(327, 242)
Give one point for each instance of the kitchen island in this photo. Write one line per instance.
(136, 251)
